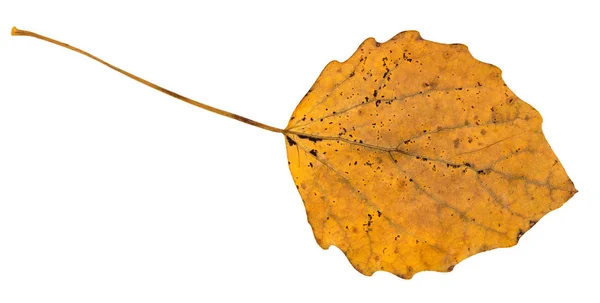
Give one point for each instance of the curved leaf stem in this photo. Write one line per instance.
(17, 32)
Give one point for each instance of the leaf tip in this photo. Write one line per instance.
(573, 189)
(14, 31)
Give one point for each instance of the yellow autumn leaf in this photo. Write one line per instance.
(412, 156)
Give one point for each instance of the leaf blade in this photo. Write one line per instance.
(413, 155)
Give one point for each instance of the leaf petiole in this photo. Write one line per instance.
(17, 32)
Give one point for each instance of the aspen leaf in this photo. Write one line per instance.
(412, 156)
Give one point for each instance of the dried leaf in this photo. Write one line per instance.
(412, 156)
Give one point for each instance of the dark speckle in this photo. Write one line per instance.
(290, 141)
(313, 139)
(520, 234)
(313, 152)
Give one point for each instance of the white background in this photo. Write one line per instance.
(113, 192)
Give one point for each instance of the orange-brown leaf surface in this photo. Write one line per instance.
(413, 155)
